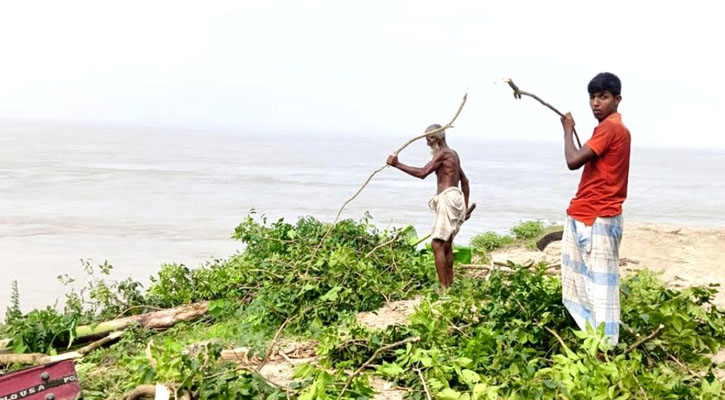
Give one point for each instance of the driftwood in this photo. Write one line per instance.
(112, 330)
(504, 267)
(154, 320)
(39, 358)
(239, 355)
(518, 93)
(149, 391)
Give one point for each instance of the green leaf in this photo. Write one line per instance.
(463, 361)
(462, 255)
(304, 371)
(550, 384)
(469, 377)
(580, 334)
(390, 369)
(331, 295)
(448, 394)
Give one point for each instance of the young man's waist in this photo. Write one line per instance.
(588, 212)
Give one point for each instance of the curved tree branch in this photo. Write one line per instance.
(518, 93)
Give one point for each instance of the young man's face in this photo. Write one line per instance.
(603, 104)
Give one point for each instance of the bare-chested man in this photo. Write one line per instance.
(450, 204)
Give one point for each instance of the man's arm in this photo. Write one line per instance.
(422, 172)
(574, 158)
(465, 188)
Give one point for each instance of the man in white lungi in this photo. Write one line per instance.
(450, 204)
(593, 227)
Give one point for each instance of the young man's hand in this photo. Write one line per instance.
(567, 121)
(392, 160)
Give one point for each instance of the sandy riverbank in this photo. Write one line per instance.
(684, 256)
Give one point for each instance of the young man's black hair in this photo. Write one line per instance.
(605, 82)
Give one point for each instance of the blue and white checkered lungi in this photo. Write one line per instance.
(590, 273)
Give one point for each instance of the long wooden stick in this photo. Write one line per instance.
(39, 358)
(645, 339)
(273, 343)
(154, 320)
(395, 237)
(396, 152)
(162, 319)
(518, 93)
(425, 387)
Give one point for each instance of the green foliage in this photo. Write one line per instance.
(13, 311)
(47, 330)
(486, 339)
(528, 230)
(356, 269)
(43, 330)
(102, 299)
(491, 339)
(485, 243)
(694, 327)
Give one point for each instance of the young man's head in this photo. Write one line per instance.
(435, 140)
(604, 94)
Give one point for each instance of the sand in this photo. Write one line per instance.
(684, 256)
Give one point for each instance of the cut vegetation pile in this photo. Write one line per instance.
(273, 309)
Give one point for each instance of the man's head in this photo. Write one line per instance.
(604, 94)
(436, 139)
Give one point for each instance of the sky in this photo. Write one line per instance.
(361, 68)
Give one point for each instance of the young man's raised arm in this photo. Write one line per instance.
(421, 172)
(574, 158)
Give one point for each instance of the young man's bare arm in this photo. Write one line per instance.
(421, 172)
(574, 158)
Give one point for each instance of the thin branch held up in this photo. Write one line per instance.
(518, 93)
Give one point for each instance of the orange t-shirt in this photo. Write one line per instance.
(603, 186)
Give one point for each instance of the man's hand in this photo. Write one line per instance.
(392, 160)
(469, 211)
(567, 121)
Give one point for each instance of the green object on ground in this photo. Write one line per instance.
(461, 254)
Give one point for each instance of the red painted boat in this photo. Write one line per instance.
(55, 381)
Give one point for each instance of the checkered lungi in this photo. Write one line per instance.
(590, 273)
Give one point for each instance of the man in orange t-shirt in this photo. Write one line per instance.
(593, 228)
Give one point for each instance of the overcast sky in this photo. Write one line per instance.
(365, 67)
